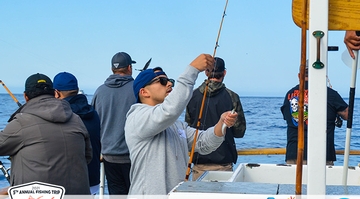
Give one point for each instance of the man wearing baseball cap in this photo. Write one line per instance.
(221, 99)
(46, 141)
(66, 87)
(112, 100)
(158, 142)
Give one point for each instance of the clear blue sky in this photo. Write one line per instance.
(259, 41)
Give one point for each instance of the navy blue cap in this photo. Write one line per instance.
(143, 78)
(65, 82)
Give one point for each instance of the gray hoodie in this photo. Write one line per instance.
(159, 143)
(112, 100)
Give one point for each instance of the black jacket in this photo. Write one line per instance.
(219, 100)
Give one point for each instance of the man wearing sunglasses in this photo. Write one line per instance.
(158, 142)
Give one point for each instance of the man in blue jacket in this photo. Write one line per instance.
(66, 87)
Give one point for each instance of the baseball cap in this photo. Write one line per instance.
(219, 64)
(65, 82)
(121, 60)
(143, 78)
(306, 67)
(37, 83)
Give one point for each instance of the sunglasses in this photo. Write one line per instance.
(163, 81)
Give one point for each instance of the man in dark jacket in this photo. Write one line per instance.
(46, 141)
(66, 87)
(220, 99)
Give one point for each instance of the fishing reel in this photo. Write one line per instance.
(338, 121)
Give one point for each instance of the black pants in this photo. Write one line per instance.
(117, 177)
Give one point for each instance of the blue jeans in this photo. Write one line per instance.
(117, 177)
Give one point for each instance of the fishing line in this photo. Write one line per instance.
(43, 62)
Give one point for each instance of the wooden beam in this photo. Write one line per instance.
(281, 151)
(262, 151)
(343, 14)
(4, 192)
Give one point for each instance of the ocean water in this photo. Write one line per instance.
(265, 129)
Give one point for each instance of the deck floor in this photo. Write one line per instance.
(256, 188)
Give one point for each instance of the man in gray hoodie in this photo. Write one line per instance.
(159, 143)
(112, 100)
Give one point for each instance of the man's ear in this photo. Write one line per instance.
(143, 93)
(26, 97)
(207, 72)
(58, 94)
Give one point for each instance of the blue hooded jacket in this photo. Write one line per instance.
(90, 117)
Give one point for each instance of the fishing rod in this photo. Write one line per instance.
(146, 66)
(300, 152)
(203, 102)
(12, 96)
(350, 114)
(5, 171)
(2, 167)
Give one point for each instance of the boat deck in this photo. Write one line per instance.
(268, 180)
(256, 188)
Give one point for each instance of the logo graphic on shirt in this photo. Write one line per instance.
(181, 133)
(35, 189)
(294, 106)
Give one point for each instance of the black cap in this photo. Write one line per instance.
(121, 60)
(38, 82)
(306, 68)
(219, 64)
